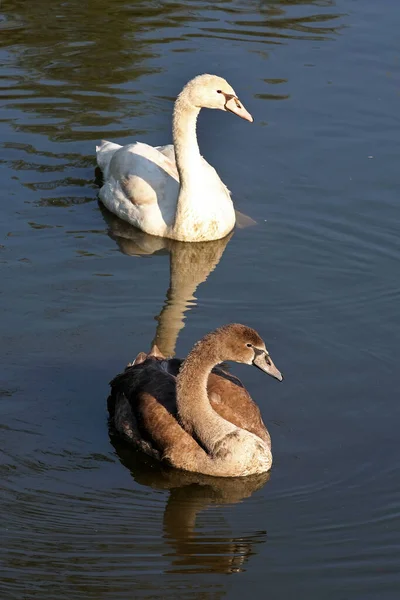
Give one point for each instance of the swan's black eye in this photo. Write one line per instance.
(219, 91)
(249, 345)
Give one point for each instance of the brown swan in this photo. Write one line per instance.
(193, 414)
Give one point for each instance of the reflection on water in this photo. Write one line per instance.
(194, 550)
(190, 265)
(79, 67)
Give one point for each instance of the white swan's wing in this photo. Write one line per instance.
(141, 185)
(168, 151)
(144, 173)
(124, 161)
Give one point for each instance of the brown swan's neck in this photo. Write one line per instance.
(194, 409)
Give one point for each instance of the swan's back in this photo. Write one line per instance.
(153, 376)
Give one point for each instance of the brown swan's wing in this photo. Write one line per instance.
(230, 399)
(128, 403)
(142, 408)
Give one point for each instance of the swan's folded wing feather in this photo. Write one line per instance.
(142, 160)
(143, 184)
(230, 399)
(159, 423)
(142, 403)
(168, 151)
(104, 153)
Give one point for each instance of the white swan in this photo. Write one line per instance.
(172, 191)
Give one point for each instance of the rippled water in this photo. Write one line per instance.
(317, 275)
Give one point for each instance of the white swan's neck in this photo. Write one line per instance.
(204, 210)
(195, 411)
(187, 153)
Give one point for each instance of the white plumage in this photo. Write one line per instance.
(172, 191)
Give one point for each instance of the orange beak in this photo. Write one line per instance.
(234, 105)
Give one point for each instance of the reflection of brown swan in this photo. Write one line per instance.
(194, 415)
(190, 265)
(190, 493)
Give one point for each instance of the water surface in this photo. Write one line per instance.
(317, 276)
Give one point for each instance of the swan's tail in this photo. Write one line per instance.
(104, 154)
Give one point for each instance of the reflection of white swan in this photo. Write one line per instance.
(172, 191)
(190, 265)
(190, 494)
(191, 415)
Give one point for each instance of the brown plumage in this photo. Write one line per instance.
(193, 414)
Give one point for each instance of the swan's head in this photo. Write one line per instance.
(211, 91)
(243, 344)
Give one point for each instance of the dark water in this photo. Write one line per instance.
(318, 276)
